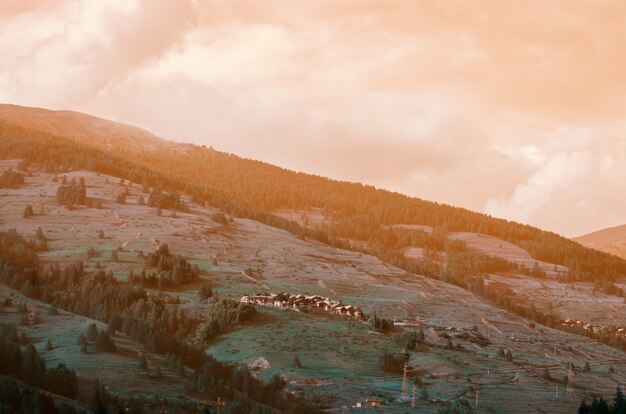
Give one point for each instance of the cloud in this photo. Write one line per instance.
(508, 107)
(572, 184)
(104, 42)
(558, 172)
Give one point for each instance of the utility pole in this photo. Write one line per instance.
(476, 398)
(405, 382)
(413, 398)
(570, 376)
(219, 403)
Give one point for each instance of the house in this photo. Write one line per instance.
(245, 299)
(369, 403)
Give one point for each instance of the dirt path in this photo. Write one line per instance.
(492, 326)
(323, 286)
(255, 281)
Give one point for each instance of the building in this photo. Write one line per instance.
(311, 303)
(369, 403)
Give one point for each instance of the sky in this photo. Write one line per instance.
(512, 108)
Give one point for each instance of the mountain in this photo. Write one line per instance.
(155, 242)
(79, 127)
(352, 211)
(611, 240)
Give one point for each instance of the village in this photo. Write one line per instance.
(604, 330)
(307, 303)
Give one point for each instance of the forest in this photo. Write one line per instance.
(254, 189)
(161, 328)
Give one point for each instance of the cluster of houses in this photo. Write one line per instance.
(312, 303)
(603, 330)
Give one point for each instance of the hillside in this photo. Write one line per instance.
(340, 357)
(611, 240)
(353, 211)
(466, 286)
(80, 127)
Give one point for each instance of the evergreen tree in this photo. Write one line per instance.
(104, 342)
(92, 332)
(583, 408)
(28, 212)
(62, 381)
(52, 310)
(34, 368)
(619, 403)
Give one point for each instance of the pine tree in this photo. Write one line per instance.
(180, 368)
(583, 408)
(28, 212)
(33, 367)
(143, 362)
(104, 342)
(92, 332)
(619, 403)
(296, 362)
(52, 310)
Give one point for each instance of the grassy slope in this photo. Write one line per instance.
(339, 359)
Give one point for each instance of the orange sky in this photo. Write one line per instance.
(513, 108)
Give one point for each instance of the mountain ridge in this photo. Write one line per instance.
(611, 240)
(78, 126)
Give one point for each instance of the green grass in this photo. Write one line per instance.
(329, 348)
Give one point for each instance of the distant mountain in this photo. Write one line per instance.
(611, 240)
(83, 128)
